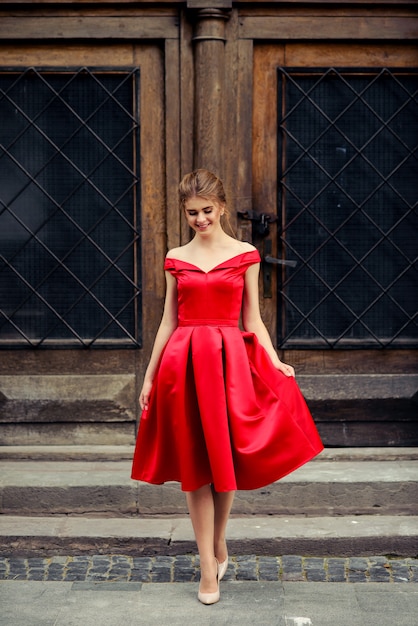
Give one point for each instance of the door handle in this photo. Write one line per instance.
(268, 261)
(274, 261)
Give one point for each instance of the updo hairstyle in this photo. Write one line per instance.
(202, 183)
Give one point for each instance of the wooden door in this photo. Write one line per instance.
(344, 314)
(93, 392)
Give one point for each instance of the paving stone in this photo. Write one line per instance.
(336, 569)
(18, 569)
(96, 569)
(268, 568)
(413, 568)
(185, 568)
(85, 559)
(59, 559)
(55, 571)
(359, 564)
(292, 569)
(358, 570)
(400, 572)
(36, 574)
(101, 561)
(246, 568)
(379, 569)
(119, 577)
(162, 570)
(314, 569)
(139, 575)
(37, 562)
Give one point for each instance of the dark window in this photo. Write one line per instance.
(348, 198)
(69, 208)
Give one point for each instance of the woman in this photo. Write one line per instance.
(220, 410)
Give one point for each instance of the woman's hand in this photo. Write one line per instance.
(145, 394)
(287, 370)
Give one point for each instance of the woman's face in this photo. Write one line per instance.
(203, 215)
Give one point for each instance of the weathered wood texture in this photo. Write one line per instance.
(95, 54)
(332, 9)
(264, 157)
(209, 101)
(209, 81)
(325, 27)
(31, 362)
(89, 9)
(237, 128)
(339, 54)
(91, 28)
(153, 202)
(172, 140)
(186, 111)
(352, 361)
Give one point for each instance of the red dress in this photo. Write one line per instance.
(219, 411)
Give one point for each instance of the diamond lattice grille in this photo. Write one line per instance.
(348, 192)
(68, 208)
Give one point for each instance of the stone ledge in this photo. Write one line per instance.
(343, 536)
(125, 452)
(358, 386)
(66, 387)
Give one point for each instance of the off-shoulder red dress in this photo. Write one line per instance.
(219, 411)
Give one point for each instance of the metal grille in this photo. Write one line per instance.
(69, 231)
(348, 199)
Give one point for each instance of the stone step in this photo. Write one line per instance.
(378, 409)
(125, 452)
(331, 485)
(262, 535)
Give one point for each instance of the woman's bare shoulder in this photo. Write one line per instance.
(247, 247)
(179, 253)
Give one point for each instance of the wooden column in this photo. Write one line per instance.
(209, 98)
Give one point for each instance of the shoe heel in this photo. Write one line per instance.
(222, 567)
(210, 598)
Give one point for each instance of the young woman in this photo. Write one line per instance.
(220, 411)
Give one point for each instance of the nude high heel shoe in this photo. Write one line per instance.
(222, 567)
(210, 598)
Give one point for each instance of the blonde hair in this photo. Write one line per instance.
(202, 183)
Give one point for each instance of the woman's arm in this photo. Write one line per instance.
(166, 328)
(252, 322)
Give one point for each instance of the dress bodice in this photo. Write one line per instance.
(213, 297)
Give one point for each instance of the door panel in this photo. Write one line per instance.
(377, 125)
(374, 271)
(105, 408)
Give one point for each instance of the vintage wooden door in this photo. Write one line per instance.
(333, 145)
(83, 220)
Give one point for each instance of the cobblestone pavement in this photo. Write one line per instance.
(165, 569)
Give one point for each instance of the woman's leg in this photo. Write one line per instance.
(202, 512)
(223, 504)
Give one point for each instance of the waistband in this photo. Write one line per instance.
(208, 322)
